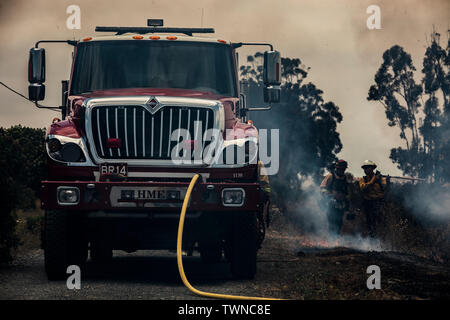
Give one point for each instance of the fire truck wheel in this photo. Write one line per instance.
(244, 245)
(63, 244)
(100, 252)
(211, 253)
(78, 244)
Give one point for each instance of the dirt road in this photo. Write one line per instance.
(336, 273)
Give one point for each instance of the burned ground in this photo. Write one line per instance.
(286, 269)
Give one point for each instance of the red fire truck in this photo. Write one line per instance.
(116, 175)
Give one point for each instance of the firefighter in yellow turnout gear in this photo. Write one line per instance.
(373, 187)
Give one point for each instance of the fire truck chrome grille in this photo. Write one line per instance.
(132, 132)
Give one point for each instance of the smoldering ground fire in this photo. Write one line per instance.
(414, 220)
(310, 215)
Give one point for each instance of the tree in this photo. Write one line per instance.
(436, 125)
(309, 141)
(427, 142)
(396, 89)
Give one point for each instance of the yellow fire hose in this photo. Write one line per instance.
(180, 259)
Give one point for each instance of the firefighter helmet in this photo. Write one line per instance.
(341, 164)
(368, 163)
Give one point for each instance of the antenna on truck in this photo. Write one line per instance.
(153, 26)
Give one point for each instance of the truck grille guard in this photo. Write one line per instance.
(143, 127)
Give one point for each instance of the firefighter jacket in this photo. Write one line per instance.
(335, 185)
(372, 188)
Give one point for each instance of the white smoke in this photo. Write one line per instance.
(429, 202)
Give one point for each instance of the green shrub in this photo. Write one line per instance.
(8, 219)
(22, 167)
(34, 223)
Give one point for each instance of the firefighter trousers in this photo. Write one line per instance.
(335, 218)
(372, 210)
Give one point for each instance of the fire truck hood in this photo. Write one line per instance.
(155, 92)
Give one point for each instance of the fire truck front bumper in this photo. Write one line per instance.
(149, 197)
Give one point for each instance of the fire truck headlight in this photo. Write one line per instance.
(233, 197)
(71, 152)
(54, 145)
(68, 195)
(67, 152)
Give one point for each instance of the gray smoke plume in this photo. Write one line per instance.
(429, 203)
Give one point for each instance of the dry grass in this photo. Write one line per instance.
(398, 228)
(29, 223)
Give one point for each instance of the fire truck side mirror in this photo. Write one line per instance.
(36, 65)
(272, 68)
(272, 94)
(36, 92)
(36, 74)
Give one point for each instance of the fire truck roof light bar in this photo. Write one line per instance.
(144, 30)
(155, 22)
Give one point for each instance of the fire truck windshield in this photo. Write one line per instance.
(102, 65)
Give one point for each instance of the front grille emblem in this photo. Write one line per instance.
(152, 105)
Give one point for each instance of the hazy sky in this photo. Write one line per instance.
(330, 36)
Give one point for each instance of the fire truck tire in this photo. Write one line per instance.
(244, 245)
(63, 244)
(78, 244)
(211, 254)
(100, 253)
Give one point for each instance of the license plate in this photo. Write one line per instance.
(150, 194)
(157, 196)
(120, 169)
